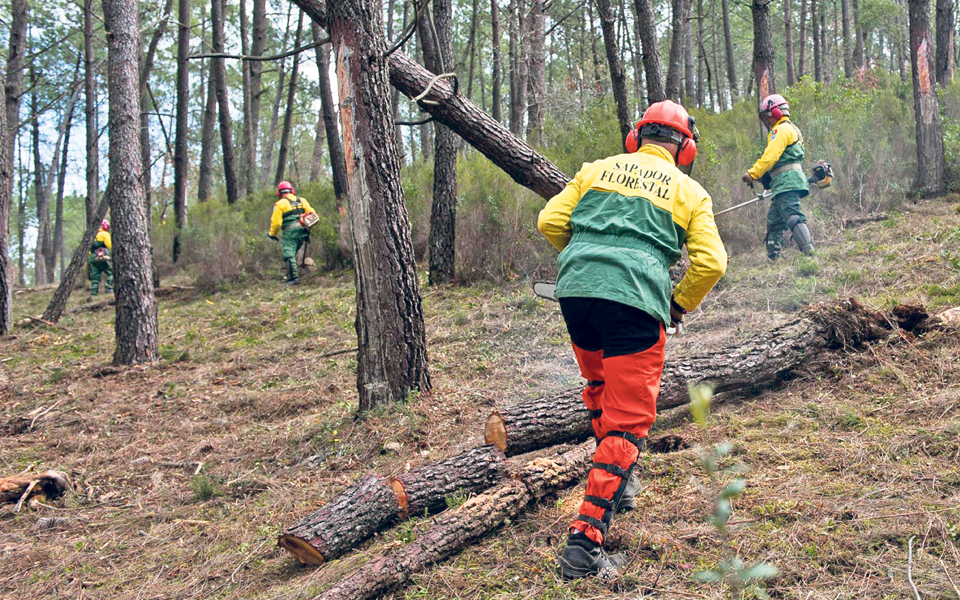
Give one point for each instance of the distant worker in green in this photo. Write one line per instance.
(100, 259)
(287, 213)
(780, 170)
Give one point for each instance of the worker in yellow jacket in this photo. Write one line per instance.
(100, 259)
(619, 225)
(286, 217)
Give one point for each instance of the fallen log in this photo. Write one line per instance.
(455, 530)
(373, 503)
(739, 369)
(26, 486)
(863, 220)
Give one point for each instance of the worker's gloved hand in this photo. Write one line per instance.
(747, 179)
(676, 312)
(273, 237)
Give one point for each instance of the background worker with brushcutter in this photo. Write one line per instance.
(100, 259)
(294, 216)
(619, 224)
(780, 169)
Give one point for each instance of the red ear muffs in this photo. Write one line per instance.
(687, 153)
(776, 113)
(632, 143)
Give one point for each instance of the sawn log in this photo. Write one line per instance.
(455, 530)
(16, 488)
(373, 503)
(737, 369)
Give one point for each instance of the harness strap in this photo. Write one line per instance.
(784, 168)
(594, 383)
(594, 522)
(638, 442)
(599, 502)
(612, 469)
(596, 414)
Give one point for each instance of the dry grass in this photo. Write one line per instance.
(188, 469)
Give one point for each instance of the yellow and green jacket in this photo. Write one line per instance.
(102, 240)
(620, 224)
(784, 146)
(286, 211)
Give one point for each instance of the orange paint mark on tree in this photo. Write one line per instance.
(764, 80)
(923, 67)
(346, 105)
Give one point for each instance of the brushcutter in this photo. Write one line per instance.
(821, 176)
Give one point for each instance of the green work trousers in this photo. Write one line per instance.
(98, 267)
(782, 207)
(293, 238)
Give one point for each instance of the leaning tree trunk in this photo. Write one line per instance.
(90, 112)
(945, 36)
(392, 356)
(374, 503)
(438, 57)
(617, 77)
(675, 65)
(763, 57)
(651, 50)
(136, 316)
(180, 156)
(58, 303)
(754, 364)
(930, 161)
(223, 103)
(457, 529)
(291, 103)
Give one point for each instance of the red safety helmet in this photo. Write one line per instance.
(667, 120)
(774, 105)
(284, 187)
(105, 225)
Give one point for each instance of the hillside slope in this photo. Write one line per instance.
(188, 469)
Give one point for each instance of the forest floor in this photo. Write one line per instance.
(189, 468)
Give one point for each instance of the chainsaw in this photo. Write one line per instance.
(548, 289)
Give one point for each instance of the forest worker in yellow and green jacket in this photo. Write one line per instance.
(286, 216)
(619, 225)
(781, 170)
(100, 259)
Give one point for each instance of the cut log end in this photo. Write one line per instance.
(495, 432)
(304, 552)
(402, 501)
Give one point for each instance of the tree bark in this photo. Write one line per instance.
(291, 102)
(180, 150)
(223, 103)
(41, 191)
(337, 166)
(858, 32)
(763, 56)
(438, 57)
(373, 503)
(472, 46)
(6, 199)
(930, 160)
(316, 161)
(248, 141)
(136, 315)
(455, 530)
(689, 86)
(257, 45)
(651, 50)
(58, 302)
(61, 178)
(146, 66)
(536, 85)
(597, 71)
(392, 357)
(675, 64)
(945, 36)
(90, 112)
(731, 60)
(817, 49)
(496, 85)
(742, 369)
(207, 131)
(788, 35)
(618, 78)
(847, 45)
(801, 64)
(13, 83)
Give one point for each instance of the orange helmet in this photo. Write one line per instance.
(668, 113)
(284, 187)
(668, 120)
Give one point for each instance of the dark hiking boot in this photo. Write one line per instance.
(293, 281)
(628, 501)
(582, 558)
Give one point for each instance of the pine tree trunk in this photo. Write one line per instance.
(516, 103)
(62, 176)
(702, 92)
(801, 64)
(651, 51)
(597, 77)
(472, 45)
(21, 223)
(731, 61)
(392, 356)
(824, 45)
(763, 48)
(146, 66)
(617, 77)
(817, 49)
(90, 112)
(13, 84)
(788, 35)
(847, 45)
(675, 64)
(223, 103)
(6, 199)
(689, 90)
(248, 141)
(945, 36)
(180, 150)
(257, 45)
(438, 57)
(316, 161)
(208, 126)
(930, 159)
(858, 31)
(496, 85)
(337, 165)
(41, 191)
(136, 314)
(291, 103)
(536, 87)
